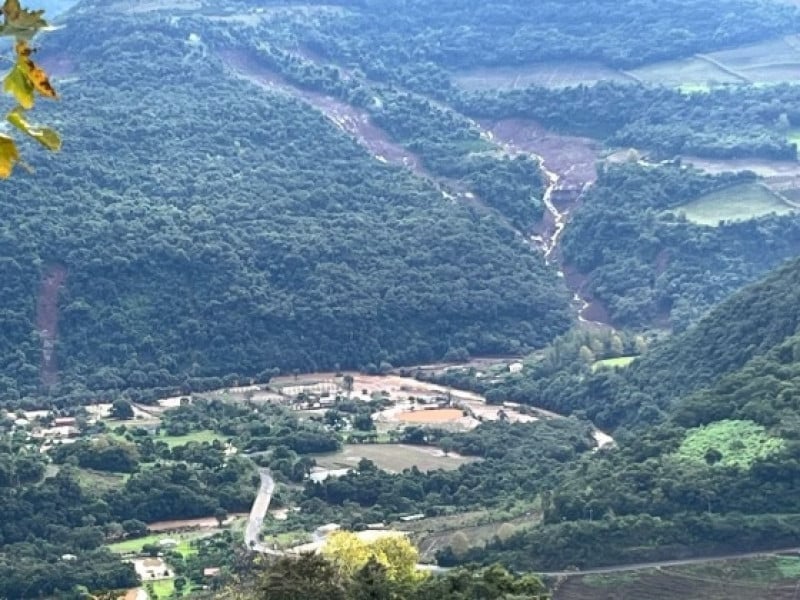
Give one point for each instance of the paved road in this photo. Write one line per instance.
(261, 504)
(258, 512)
(670, 563)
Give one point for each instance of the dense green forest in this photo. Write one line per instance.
(706, 425)
(379, 36)
(210, 232)
(730, 122)
(192, 250)
(645, 262)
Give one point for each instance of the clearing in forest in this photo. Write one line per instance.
(737, 443)
(610, 363)
(556, 74)
(182, 543)
(392, 457)
(772, 61)
(735, 203)
(690, 74)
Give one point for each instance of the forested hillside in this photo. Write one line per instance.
(646, 262)
(424, 50)
(506, 33)
(708, 457)
(193, 247)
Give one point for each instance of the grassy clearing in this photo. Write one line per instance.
(133, 546)
(164, 588)
(694, 88)
(195, 436)
(740, 443)
(613, 363)
(685, 72)
(793, 137)
(390, 457)
(98, 482)
(772, 52)
(788, 566)
(547, 74)
(736, 203)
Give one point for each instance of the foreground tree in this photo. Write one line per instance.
(395, 554)
(24, 81)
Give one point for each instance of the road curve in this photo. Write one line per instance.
(257, 514)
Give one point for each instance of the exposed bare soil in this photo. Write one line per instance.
(439, 415)
(571, 157)
(47, 320)
(354, 121)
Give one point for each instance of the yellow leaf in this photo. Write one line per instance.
(44, 135)
(17, 84)
(35, 74)
(21, 22)
(8, 156)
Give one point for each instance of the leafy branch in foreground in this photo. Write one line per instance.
(24, 81)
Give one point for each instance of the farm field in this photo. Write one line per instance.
(771, 52)
(610, 363)
(547, 74)
(194, 436)
(772, 61)
(135, 545)
(165, 588)
(739, 443)
(99, 481)
(685, 72)
(736, 203)
(746, 579)
(768, 62)
(391, 457)
(762, 167)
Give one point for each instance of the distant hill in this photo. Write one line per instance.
(752, 323)
(707, 458)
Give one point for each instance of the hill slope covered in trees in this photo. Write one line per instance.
(210, 229)
(707, 456)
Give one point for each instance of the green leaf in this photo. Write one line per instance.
(9, 155)
(19, 85)
(44, 135)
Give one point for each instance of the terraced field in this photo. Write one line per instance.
(768, 62)
(690, 74)
(775, 578)
(547, 74)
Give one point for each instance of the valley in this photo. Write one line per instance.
(364, 280)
